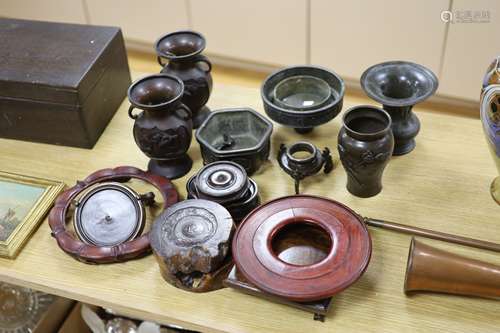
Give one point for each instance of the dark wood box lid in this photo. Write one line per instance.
(52, 62)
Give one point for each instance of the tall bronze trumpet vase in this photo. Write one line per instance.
(163, 129)
(398, 86)
(179, 53)
(434, 270)
(490, 117)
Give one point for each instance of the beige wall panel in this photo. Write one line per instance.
(262, 31)
(470, 49)
(349, 36)
(70, 11)
(143, 20)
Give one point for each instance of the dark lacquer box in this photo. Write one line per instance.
(60, 83)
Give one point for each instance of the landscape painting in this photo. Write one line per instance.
(16, 201)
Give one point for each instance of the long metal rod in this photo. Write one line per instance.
(442, 236)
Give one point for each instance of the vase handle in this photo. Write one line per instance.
(130, 114)
(158, 58)
(188, 111)
(202, 58)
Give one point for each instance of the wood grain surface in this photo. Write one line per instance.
(443, 185)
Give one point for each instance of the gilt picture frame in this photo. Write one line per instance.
(24, 203)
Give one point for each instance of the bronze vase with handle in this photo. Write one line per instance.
(179, 53)
(163, 129)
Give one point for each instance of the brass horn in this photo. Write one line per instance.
(435, 270)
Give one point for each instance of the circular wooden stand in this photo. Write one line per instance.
(269, 248)
(105, 254)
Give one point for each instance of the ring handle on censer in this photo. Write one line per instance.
(105, 254)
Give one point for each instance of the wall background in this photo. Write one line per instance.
(457, 39)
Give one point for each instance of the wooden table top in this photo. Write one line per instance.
(442, 185)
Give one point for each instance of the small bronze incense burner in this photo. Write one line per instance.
(301, 167)
(240, 135)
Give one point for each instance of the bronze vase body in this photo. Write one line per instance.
(435, 270)
(490, 118)
(163, 129)
(182, 49)
(365, 145)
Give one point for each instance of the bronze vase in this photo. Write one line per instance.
(163, 129)
(182, 49)
(365, 145)
(490, 117)
(398, 86)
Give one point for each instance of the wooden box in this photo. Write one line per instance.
(60, 83)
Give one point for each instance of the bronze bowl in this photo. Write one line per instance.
(317, 112)
(240, 135)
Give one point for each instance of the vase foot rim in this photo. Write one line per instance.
(171, 169)
(304, 130)
(364, 194)
(404, 149)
